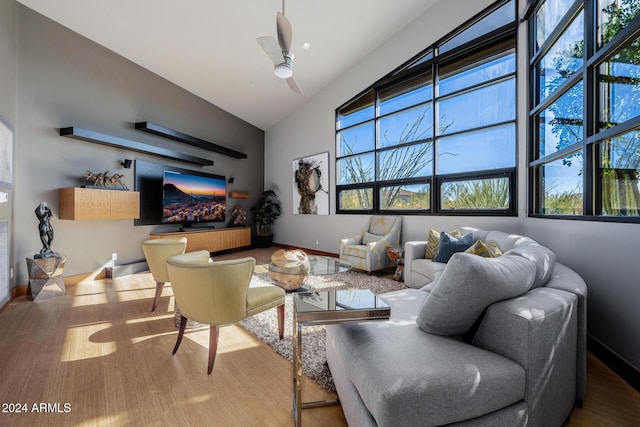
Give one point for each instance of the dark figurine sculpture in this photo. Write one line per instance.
(46, 231)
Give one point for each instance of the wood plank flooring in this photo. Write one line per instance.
(99, 357)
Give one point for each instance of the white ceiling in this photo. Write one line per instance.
(209, 47)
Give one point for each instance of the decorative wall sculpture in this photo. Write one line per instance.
(311, 185)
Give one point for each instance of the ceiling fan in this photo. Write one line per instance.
(280, 51)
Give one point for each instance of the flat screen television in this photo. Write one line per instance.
(189, 198)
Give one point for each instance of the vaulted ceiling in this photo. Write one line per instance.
(209, 47)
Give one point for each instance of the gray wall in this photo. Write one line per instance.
(8, 63)
(63, 80)
(310, 130)
(8, 114)
(603, 253)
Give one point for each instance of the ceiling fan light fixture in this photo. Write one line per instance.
(283, 71)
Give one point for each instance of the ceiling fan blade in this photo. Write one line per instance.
(271, 48)
(285, 34)
(294, 86)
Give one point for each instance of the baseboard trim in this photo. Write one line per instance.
(126, 269)
(625, 370)
(18, 291)
(307, 250)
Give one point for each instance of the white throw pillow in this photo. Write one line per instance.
(370, 237)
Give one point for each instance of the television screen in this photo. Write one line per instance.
(188, 198)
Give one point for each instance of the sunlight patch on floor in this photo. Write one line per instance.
(90, 288)
(79, 345)
(90, 299)
(106, 421)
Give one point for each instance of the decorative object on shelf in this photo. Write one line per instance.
(45, 277)
(265, 214)
(289, 269)
(238, 195)
(114, 141)
(103, 179)
(310, 193)
(43, 212)
(239, 216)
(188, 139)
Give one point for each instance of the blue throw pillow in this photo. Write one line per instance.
(449, 245)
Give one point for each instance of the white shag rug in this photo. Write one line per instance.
(314, 362)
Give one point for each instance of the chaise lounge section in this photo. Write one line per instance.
(460, 351)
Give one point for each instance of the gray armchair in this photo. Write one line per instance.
(367, 249)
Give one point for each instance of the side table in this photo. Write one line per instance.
(45, 278)
(326, 308)
(397, 258)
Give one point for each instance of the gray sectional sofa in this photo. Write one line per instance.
(473, 342)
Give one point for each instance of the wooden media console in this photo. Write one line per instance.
(212, 240)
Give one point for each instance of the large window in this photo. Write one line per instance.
(585, 109)
(438, 135)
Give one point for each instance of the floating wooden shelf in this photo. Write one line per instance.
(114, 141)
(91, 204)
(238, 195)
(188, 139)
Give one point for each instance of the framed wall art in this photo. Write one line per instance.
(6, 154)
(311, 185)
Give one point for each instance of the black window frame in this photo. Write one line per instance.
(592, 136)
(426, 62)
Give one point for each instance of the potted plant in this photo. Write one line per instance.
(265, 214)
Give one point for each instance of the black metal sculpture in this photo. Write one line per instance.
(46, 231)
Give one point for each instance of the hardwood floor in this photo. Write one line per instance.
(99, 357)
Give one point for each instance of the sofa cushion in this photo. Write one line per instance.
(487, 250)
(543, 258)
(449, 245)
(359, 251)
(370, 237)
(468, 285)
(433, 242)
(434, 380)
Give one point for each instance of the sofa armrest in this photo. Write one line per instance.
(564, 278)
(412, 250)
(539, 331)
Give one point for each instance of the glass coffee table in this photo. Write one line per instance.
(292, 279)
(326, 308)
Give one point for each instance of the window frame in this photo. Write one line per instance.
(591, 135)
(427, 62)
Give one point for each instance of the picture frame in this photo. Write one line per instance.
(311, 184)
(6, 154)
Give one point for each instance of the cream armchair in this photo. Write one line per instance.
(367, 249)
(217, 293)
(157, 252)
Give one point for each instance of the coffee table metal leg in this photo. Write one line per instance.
(297, 370)
(298, 405)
